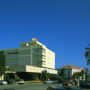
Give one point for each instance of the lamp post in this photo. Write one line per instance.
(31, 55)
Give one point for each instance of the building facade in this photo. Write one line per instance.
(32, 56)
(70, 70)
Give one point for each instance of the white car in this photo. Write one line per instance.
(55, 81)
(20, 82)
(2, 82)
(48, 82)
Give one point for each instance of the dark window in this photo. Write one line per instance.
(13, 53)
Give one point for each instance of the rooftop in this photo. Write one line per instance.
(70, 67)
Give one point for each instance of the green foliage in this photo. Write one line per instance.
(44, 75)
(6, 77)
(79, 74)
(86, 75)
(62, 74)
(12, 81)
(82, 73)
(53, 77)
(76, 75)
(17, 79)
(2, 63)
(87, 55)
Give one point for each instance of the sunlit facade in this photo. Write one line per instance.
(30, 57)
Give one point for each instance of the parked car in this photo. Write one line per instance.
(48, 82)
(20, 82)
(72, 81)
(67, 83)
(55, 81)
(56, 88)
(74, 88)
(2, 82)
(51, 81)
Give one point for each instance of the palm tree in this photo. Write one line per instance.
(82, 73)
(87, 55)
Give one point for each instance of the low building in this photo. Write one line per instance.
(70, 70)
(32, 57)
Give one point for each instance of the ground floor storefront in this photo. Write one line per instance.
(27, 76)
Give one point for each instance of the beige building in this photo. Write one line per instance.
(31, 57)
(70, 70)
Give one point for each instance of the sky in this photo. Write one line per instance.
(62, 25)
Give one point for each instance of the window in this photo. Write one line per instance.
(37, 56)
(13, 52)
(38, 50)
(7, 58)
(11, 63)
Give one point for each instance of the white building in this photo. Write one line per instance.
(70, 70)
(32, 57)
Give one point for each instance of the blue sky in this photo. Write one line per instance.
(62, 25)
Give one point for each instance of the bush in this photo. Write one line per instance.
(53, 76)
(17, 79)
(11, 81)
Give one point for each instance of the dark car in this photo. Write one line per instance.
(74, 88)
(56, 88)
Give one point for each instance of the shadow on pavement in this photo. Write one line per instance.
(9, 89)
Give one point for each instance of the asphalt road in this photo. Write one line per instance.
(29, 86)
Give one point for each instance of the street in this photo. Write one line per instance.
(29, 86)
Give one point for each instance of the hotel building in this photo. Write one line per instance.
(31, 57)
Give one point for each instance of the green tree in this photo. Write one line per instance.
(44, 75)
(86, 74)
(76, 75)
(53, 76)
(62, 74)
(82, 73)
(87, 55)
(79, 74)
(2, 63)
